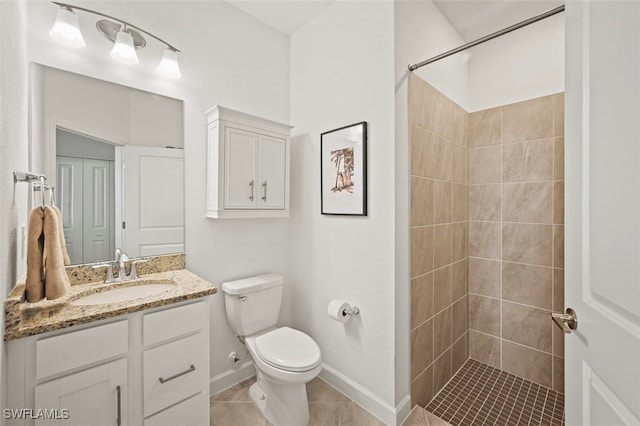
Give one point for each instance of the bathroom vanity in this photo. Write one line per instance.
(130, 362)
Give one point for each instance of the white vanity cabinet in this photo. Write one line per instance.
(147, 368)
(247, 165)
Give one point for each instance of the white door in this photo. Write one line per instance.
(241, 187)
(602, 207)
(69, 200)
(272, 155)
(98, 210)
(153, 201)
(97, 396)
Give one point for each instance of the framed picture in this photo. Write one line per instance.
(343, 170)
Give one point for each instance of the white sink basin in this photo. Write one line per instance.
(122, 294)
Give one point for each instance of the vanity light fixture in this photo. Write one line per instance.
(126, 38)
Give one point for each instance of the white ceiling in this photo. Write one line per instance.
(473, 19)
(285, 16)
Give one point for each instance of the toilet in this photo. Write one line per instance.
(286, 359)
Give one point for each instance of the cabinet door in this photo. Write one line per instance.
(239, 169)
(90, 397)
(272, 172)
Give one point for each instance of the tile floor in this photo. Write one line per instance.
(327, 407)
(483, 395)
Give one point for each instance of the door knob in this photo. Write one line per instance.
(567, 321)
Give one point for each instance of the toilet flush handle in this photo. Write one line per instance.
(242, 298)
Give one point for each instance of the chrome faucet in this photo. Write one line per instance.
(121, 259)
(119, 263)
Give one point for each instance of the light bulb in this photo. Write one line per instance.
(66, 30)
(169, 64)
(123, 49)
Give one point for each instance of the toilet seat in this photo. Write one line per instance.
(288, 349)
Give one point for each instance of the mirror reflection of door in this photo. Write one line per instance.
(85, 194)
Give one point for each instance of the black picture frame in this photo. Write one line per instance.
(343, 170)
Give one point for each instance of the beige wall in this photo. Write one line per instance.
(516, 216)
(439, 223)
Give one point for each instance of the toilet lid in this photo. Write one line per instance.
(288, 349)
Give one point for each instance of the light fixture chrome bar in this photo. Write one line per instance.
(72, 7)
(489, 37)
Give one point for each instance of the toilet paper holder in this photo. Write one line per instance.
(350, 311)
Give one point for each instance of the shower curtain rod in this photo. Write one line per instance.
(489, 37)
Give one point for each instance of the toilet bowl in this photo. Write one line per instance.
(286, 359)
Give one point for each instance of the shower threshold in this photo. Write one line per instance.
(479, 394)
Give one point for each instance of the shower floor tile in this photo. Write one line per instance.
(483, 395)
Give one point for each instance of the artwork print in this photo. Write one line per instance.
(344, 170)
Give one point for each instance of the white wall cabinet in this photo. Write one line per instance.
(247, 166)
(150, 368)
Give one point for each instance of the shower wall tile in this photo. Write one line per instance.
(530, 161)
(484, 348)
(526, 243)
(459, 318)
(558, 202)
(421, 201)
(527, 120)
(441, 289)
(459, 279)
(442, 240)
(441, 332)
(527, 326)
(459, 240)
(442, 201)
(460, 200)
(485, 127)
(558, 114)
(442, 370)
(516, 182)
(421, 348)
(526, 284)
(529, 363)
(484, 277)
(485, 202)
(439, 237)
(459, 352)
(484, 164)
(422, 388)
(484, 314)
(558, 374)
(558, 158)
(558, 246)
(484, 240)
(421, 250)
(527, 202)
(421, 299)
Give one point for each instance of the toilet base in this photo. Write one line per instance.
(282, 404)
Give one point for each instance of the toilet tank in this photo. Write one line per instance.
(253, 303)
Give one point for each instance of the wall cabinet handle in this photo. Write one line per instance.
(119, 407)
(264, 191)
(251, 190)
(175, 376)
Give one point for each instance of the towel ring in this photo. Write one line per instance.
(42, 189)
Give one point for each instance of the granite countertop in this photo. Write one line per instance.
(27, 319)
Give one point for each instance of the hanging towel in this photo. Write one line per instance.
(63, 243)
(56, 281)
(34, 289)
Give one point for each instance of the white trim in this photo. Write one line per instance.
(364, 398)
(231, 377)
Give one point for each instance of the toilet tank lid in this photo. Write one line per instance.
(255, 283)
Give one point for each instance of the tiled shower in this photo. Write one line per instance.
(487, 192)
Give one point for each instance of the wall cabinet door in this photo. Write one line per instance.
(271, 169)
(240, 169)
(91, 397)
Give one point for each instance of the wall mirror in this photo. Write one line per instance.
(114, 156)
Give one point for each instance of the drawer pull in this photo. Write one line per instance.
(119, 408)
(175, 376)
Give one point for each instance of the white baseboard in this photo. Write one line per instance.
(231, 377)
(373, 404)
